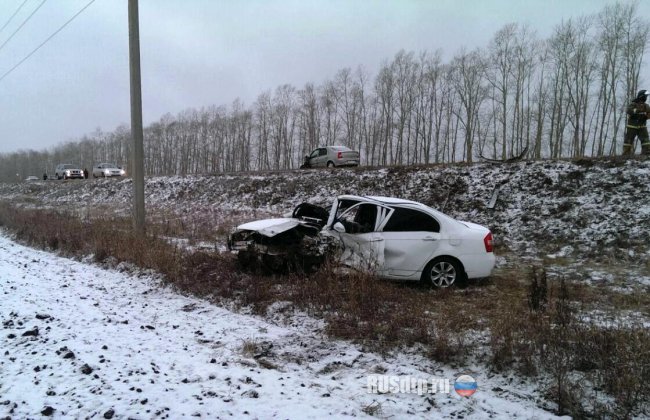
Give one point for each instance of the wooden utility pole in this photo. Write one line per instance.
(137, 171)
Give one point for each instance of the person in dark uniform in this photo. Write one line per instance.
(638, 112)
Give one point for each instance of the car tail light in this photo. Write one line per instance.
(488, 241)
(339, 155)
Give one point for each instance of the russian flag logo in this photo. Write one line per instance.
(465, 386)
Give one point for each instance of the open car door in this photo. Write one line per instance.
(411, 238)
(363, 245)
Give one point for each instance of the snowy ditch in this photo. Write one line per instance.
(82, 341)
(585, 221)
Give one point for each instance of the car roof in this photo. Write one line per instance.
(391, 201)
(380, 199)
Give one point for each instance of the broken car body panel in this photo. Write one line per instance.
(270, 227)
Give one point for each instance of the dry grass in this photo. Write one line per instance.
(197, 224)
(517, 319)
(551, 339)
(249, 348)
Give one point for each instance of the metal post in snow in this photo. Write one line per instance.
(136, 118)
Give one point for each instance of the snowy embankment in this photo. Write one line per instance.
(586, 220)
(592, 209)
(81, 341)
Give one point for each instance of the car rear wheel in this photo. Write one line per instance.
(442, 272)
(330, 164)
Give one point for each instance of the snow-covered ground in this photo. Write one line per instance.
(586, 221)
(81, 341)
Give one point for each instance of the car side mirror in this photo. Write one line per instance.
(338, 226)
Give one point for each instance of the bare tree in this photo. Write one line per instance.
(499, 72)
(564, 95)
(385, 91)
(330, 114)
(404, 76)
(468, 78)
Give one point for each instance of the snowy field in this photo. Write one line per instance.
(81, 341)
(109, 343)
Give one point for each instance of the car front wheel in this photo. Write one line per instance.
(442, 272)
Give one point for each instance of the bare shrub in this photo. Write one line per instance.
(617, 360)
(538, 292)
(570, 351)
(249, 348)
(373, 409)
(558, 354)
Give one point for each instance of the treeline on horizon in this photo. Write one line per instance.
(564, 96)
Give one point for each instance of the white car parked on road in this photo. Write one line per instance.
(105, 170)
(396, 238)
(67, 171)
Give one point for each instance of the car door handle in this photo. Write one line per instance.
(376, 240)
(429, 238)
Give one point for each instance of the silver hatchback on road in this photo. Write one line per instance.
(330, 157)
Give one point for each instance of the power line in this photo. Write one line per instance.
(22, 24)
(46, 40)
(12, 16)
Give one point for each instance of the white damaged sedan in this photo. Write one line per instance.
(395, 238)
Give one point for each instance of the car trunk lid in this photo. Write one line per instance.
(348, 154)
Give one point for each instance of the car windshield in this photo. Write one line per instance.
(344, 205)
(109, 166)
(69, 167)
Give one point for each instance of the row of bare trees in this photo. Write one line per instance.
(558, 97)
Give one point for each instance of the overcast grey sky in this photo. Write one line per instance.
(203, 52)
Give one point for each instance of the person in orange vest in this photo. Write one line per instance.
(638, 111)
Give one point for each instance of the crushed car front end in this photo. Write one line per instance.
(283, 244)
